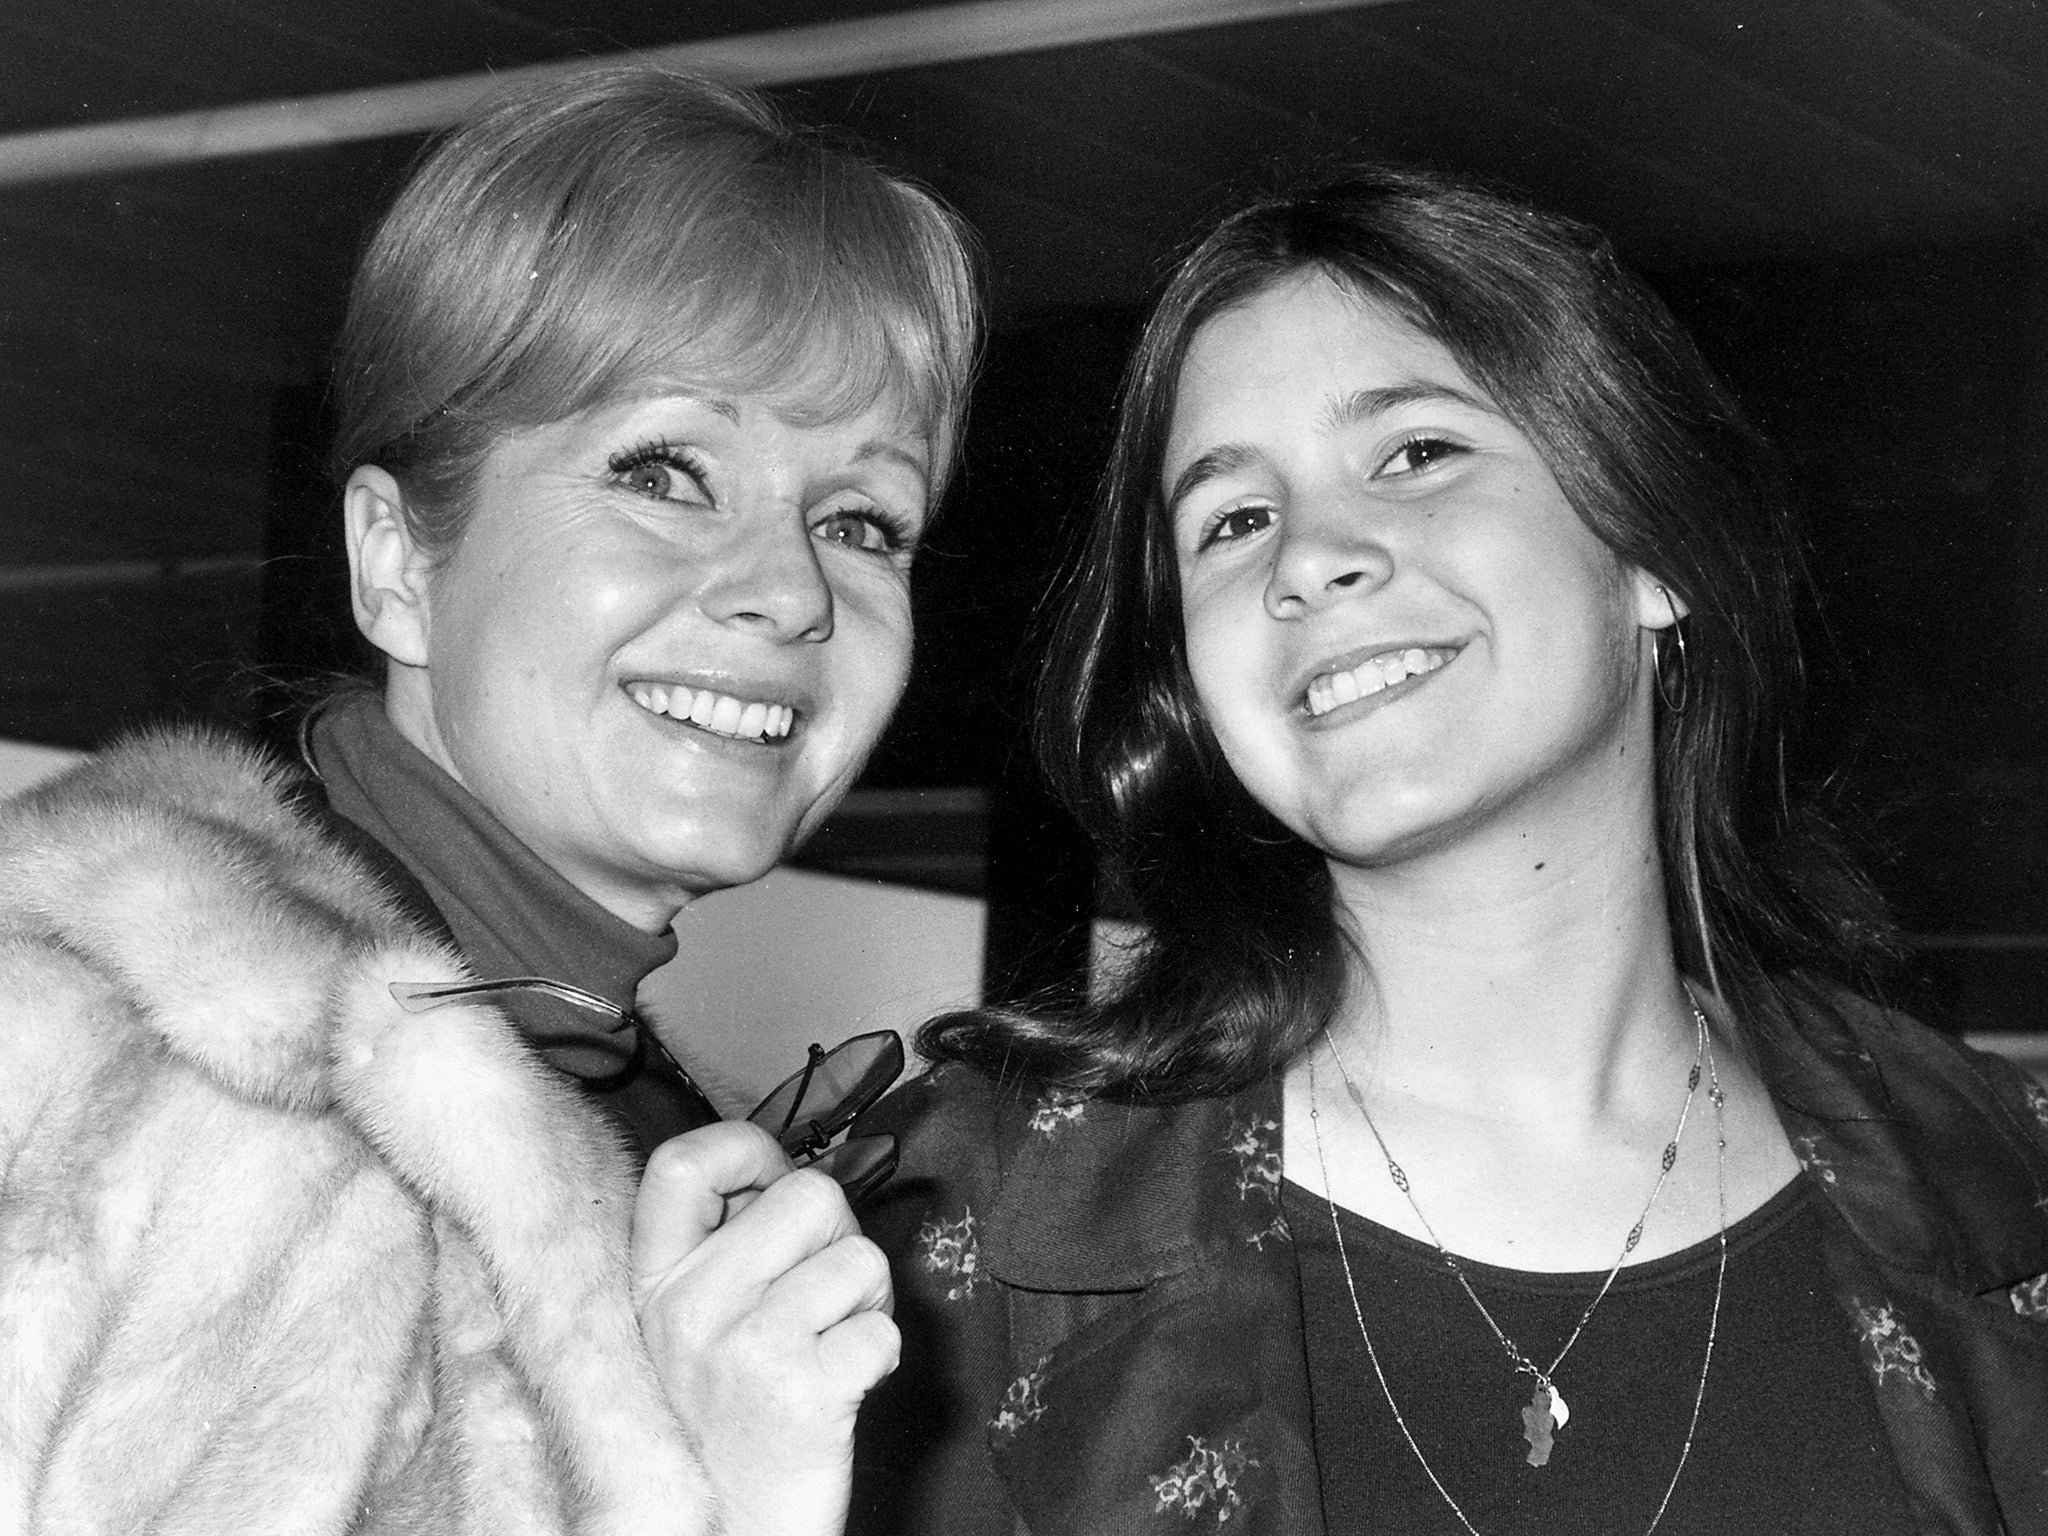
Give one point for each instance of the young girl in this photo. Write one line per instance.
(1492, 1134)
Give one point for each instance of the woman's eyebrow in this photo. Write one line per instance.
(883, 448)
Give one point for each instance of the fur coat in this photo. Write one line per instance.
(276, 1255)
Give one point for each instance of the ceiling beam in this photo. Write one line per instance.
(944, 34)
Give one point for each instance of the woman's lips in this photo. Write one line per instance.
(1328, 690)
(721, 714)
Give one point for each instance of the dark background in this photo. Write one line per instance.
(1848, 200)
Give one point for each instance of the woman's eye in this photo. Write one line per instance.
(1418, 454)
(866, 530)
(1237, 523)
(650, 480)
(660, 474)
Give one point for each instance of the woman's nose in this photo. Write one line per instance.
(1323, 555)
(769, 578)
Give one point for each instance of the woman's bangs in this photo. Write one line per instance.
(760, 312)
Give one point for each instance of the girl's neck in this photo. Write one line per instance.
(1534, 972)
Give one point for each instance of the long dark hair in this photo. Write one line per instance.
(1245, 957)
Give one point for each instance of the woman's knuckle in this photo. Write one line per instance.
(815, 1194)
(864, 1259)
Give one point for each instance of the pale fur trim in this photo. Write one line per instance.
(293, 1464)
(507, 1483)
(221, 1303)
(232, 970)
(248, 1213)
(461, 1109)
(173, 863)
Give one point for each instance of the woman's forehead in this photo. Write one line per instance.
(803, 402)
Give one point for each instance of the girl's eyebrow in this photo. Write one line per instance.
(1218, 461)
(1364, 404)
(1343, 411)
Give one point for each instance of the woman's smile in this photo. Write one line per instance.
(671, 634)
(714, 712)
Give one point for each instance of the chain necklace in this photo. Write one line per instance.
(1547, 1411)
(1540, 1420)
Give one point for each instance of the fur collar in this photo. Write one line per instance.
(177, 865)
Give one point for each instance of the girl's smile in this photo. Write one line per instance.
(1384, 672)
(1397, 624)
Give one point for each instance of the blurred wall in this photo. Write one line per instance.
(798, 957)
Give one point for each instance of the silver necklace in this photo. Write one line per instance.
(1538, 1419)
(1547, 1411)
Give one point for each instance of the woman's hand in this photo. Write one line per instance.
(767, 1314)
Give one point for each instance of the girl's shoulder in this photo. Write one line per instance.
(1063, 1192)
(1882, 1060)
(1935, 1153)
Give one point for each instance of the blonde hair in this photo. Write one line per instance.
(579, 240)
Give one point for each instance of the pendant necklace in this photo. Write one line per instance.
(1547, 1412)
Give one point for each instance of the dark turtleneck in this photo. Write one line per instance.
(510, 914)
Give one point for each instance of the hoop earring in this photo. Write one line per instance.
(1673, 705)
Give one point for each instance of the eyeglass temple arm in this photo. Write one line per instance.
(423, 996)
(796, 1099)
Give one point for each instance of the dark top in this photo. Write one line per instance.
(1788, 1439)
(510, 914)
(1101, 1303)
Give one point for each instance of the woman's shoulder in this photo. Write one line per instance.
(185, 815)
(173, 911)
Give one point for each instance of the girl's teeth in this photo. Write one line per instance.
(753, 719)
(1370, 677)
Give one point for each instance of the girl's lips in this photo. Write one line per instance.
(720, 714)
(1378, 672)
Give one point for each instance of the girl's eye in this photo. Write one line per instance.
(867, 529)
(661, 474)
(1418, 454)
(1237, 523)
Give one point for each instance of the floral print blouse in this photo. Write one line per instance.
(1101, 1312)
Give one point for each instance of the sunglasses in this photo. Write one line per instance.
(805, 1113)
(808, 1109)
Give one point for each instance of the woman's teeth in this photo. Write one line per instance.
(719, 713)
(1372, 675)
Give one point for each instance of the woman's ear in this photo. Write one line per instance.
(1657, 606)
(388, 571)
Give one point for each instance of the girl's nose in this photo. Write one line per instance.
(1323, 555)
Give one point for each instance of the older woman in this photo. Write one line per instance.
(322, 1099)
(1494, 1133)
